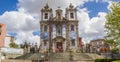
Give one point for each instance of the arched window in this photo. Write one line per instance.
(46, 16)
(58, 30)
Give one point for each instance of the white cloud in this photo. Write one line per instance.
(97, 23)
(21, 23)
(26, 19)
(109, 5)
(103, 1)
(17, 21)
(27, 36)
(107, 0)
(91, 28)
(34, 6)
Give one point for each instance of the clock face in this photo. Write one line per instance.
(45, 35)
(72, 35)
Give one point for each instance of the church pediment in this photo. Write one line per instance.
(59, 39)
(62, 19)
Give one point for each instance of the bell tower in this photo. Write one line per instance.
(71, 12)
(46, 13)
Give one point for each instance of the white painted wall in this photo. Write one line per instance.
(7, 41)
(12, 50)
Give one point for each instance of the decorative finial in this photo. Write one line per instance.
(71, 6)
(59, 7)
(46, 6)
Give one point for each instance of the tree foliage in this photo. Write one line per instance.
(113, 25)
(25, 44)
(13, 45)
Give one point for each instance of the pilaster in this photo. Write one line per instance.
(41, 35)
(77, 33)
(67, 37)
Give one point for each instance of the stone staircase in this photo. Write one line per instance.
(24, 56)
(81, 56)
(60, 56)
(94, 56)
(33, 56)
(67, 57)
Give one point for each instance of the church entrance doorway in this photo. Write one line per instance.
(59, 47)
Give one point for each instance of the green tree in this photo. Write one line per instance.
(13, 45)
(25, 44)
(113, 25)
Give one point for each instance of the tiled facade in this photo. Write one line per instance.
(59, 33)
(2, 34)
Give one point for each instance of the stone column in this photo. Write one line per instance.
(41, 15)
(50, 37)
(41, 35)
(64, 46)
(76, 14)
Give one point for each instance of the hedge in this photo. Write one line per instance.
(105, 60)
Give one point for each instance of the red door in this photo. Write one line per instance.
(59, 47)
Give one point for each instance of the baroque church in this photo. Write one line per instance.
(59, 33)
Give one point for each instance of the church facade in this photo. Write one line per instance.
(59, 33)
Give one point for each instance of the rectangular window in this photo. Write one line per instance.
(59, 30)
(72, 28)
(73, 42)
(71, 15)
(45, 43)
(46, 16)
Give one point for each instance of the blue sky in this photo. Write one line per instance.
(95, 7)
(32, 5)
(7, 5)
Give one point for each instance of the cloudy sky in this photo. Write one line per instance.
(22, 17)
